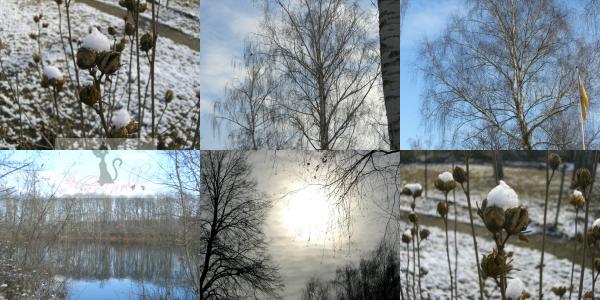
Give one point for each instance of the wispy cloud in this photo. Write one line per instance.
(427, 19)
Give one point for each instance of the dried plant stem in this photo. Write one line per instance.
(548, 181)
(448, 249)
(81, 121)
(585, 226)
(137, 54)
(560, 194)
(574, 253)
(407, 269)
(414, 265)
(468, 195)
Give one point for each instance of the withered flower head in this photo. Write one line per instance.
(559, 290)
(108, 62)
(424, 233)
(442, 209)
(129, 28)
(120, 132)
(407, 236)
(516, 220)
(413, 218)
(459, 175)
(86, 58)
(445, 182)
(494, 218)
(169, 97)
(583, 178)
(146, 42)
(59, 2)
(112, 31)
(577, 199)
(554, 161)
(90, 94)
(494, 265)
(37, 57)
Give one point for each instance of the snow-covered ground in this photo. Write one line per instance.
(176, 69)
(182, 15)
(525, 261)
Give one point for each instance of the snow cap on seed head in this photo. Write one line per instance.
(121, 118)
(407, 236)
(514, 289)
(53, 73)
(446, 177)
(502, 196)
(415, 189)
(96, 41)
(596, 223)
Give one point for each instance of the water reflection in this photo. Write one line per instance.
(116, 271)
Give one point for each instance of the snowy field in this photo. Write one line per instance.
(176, 69)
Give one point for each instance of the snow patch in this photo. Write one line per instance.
(53, 73)
(503, 196)
(121, 118)
(446, 177)
(96, 41)
(514, 288)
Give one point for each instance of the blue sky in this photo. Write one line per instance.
(223, 27)
(72, 172)
(423, 19)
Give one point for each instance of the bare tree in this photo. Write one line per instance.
(506, 68)
(329, 64)
(248, 109)
(389, 47)
(233, 251)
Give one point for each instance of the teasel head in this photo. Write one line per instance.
(424, 234)
(108, 62)
(86, 58)
(442, 209)
(413, 218)
(445, 182)
(577, 199)
(495, 265)
(459, 175)
(583, 178)
(90, 94)
(146, 42)
(516, 220)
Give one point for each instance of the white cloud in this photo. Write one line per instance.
(427, 19)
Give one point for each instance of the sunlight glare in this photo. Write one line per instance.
(307, 214)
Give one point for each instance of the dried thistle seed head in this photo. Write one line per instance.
(559, 290)
(146, 42)
(577, 199)
(554, 161)
(36, 18)
(45, 25)
(597, 263)
(127, 4)
(59, 2)
(413, 218)
(516, 220)
(583, 178)
(33, 36)
(37, 57)
(119, 133)
(169, 96)
(589, 295)
(129, 28)
(424, 234)
(133, 126)
(108, 62)
(494, 218)
(494, 265)
(45, 82)
(112, 31)
(86, 58)
(459, 175)
(142, 7)
(119, 47)
(90, 94)
(442, 209)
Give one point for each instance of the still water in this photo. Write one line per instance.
(112, 271)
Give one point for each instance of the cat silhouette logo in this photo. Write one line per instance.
(105, 177)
